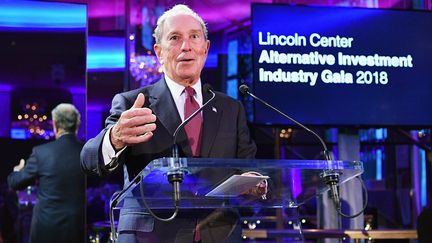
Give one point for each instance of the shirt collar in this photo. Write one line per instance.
(63, 134)
(177, 89)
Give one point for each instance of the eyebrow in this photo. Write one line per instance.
(194, 31)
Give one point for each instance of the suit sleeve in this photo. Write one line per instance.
(27, 176)
(91, 155)
(246, 148)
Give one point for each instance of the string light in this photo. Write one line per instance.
(145, 69)
(34, 122)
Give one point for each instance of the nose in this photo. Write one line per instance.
(185, 45)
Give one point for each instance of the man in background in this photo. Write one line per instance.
(59, 214)
(142, 122)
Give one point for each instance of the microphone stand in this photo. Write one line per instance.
(175, 177)
(244, 89)
(331, 177)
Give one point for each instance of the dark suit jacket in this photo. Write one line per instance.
(58, 215)
(225, 135)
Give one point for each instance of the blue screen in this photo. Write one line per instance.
(342, 66)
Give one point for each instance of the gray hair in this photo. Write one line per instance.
(179, 9)
(66, 117)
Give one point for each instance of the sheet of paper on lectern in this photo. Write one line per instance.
(236, 185)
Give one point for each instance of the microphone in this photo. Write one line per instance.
(331, 177)
(206, 88)
(176, 177)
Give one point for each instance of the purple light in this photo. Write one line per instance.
(294, 176)
(77, 90)
(296, 188)
(5, 87)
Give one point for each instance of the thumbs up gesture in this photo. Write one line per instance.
(134, 126)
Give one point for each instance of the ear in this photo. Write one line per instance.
(158, 50)
(54, 127)
(207, 46)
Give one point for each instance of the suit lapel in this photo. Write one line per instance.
(211, 120)
(163, 106)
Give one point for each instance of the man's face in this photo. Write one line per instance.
(183, 49)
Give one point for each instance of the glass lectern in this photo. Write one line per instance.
(290, 183)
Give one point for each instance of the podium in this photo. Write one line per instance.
(291, 183)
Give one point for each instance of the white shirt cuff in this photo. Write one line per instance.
(108, 151)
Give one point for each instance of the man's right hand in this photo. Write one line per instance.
(134, 126)
(19, 167)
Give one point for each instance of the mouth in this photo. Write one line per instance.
(186, 60)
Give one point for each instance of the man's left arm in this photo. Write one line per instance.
(19, 180)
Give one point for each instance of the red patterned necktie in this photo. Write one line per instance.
(193, 128)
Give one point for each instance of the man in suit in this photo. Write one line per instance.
(142, 122)
(59, 214)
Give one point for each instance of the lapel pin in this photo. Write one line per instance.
(214, 109)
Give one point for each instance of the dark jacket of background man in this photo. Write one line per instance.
(59, 214)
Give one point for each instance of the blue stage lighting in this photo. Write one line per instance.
(105, 53)
(32, 15)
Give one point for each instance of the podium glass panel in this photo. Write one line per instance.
(290, 183)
